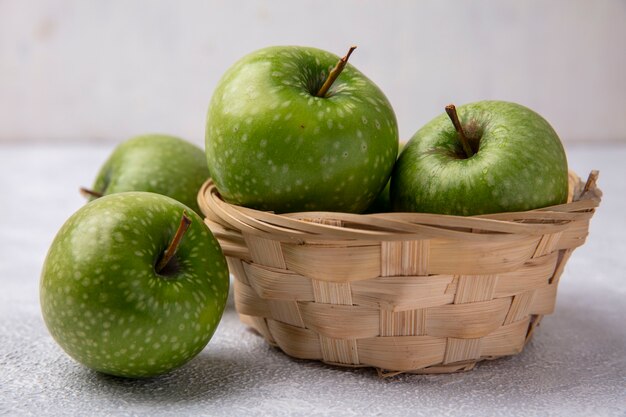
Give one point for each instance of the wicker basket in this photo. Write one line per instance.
(401, 292)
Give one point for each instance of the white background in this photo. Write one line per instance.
(107, 70)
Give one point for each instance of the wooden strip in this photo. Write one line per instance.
(444, 369)
(403, 293)
(563, 257)
(236, 269)
(234, 249)
(221, 232)
(520, 307)
(390, 258)
(339, 351)
(324, 220)
(340, 321)
(535, 320)
(503, 253)
(402, 323)
(415, 256)
(319, 262)
(402, 353)
(387, 327)
(265, 251)
(248, 302)
(549, 217)
(575, 186)
(294, 341)
(404, 258)
(419, 226)
(507, 340)
(547, 244)
(225, 234)
(535, 273)
(459, 350)
(575, 235)
(544, 300)
(285, 311)
(451, 289)
(278, 284)
(332, 292)
(337, 321)
(473, 288)
(249, 221)
(467, 321)
(592, 179)
(425, 226)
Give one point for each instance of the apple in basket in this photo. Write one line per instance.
(134, 284)
(160, 164)
(484, 157)
(382, 202)
(294, 128)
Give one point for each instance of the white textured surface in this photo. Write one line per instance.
(98, 70)
(575, 365)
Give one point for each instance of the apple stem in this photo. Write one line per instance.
(454, 117)
(334, 73)
(90, 193)
(185, 221)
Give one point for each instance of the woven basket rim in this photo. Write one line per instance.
(583, 198)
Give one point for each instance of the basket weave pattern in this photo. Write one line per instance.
(401, 292)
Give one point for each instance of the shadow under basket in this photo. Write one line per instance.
(401, 292)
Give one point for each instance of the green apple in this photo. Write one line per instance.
(129, 289)
(156, 163)
(490, 156)
(382, 202)
(288, 130)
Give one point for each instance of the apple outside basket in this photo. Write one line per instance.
(401, 292)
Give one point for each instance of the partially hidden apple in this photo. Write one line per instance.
(134, 285)
(382, 202)
(294, 128)
(484, 157)
(156, 163)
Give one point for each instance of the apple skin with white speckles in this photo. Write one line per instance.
(155, 163)
(272, 144)
(103, 301)
(382, 202)
(519, 164)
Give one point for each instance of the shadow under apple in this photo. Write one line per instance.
(207, 377)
